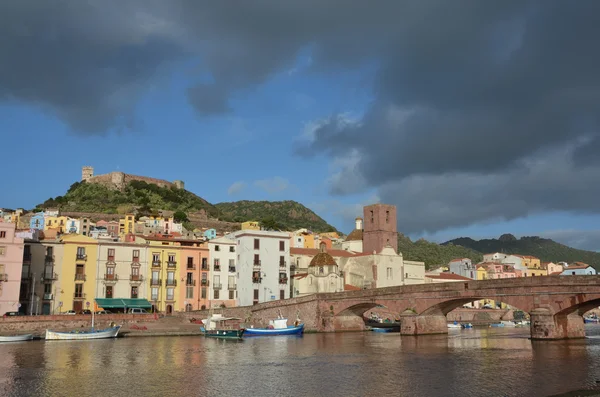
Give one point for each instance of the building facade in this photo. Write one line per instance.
(164, 258)
(11, 264)
(463, 267)
(77, 278)
(223, 272)
(380, 228)
(194, 253)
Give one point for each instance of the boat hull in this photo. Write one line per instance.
(591, 320)
(290, 330)
(73, 335)
(225, 333)
(16, 338)
(395, 326)
(383, 330)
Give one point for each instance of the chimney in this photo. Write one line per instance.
(359, 223)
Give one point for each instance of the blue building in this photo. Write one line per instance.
(578, 269)
(210, 234)
(37, 221)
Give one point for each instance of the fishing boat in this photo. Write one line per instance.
(216, 326)
(377, 322)
(110, 332)
(16, 338)
(467, 325)
(454, 325)
(508, 323)
(591, 320)
(382, 330)
(278, 326)
(497, 325)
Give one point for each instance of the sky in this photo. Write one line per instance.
(474, 118)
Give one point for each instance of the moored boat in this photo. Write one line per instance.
(497, 325)
(382, 330)
(277, 327)
(111, 332)
(467, 325)
(378, 322)
(591, 320)
(217, 326)
(508, 323)
(15, 338)
(454, 325)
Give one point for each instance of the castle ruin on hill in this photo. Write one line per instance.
(118, 180)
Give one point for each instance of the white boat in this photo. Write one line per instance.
(455, 325)
(508, 323)
(16, 338)
(111, 332)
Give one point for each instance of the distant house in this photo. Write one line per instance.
(210, 234)
(578, 269)
(463, 267)
(552, 268)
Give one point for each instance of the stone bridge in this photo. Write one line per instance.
(555, 304)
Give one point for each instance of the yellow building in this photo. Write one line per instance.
(77, 278)
(309, 241)
(127, 225)
(534, 266)
(330, 235)
(164, 257)
(58, 223)
(481, 273)
(251, 225)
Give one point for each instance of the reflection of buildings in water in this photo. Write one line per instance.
(7, 366)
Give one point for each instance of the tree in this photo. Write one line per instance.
(180, 217)
(269, 223)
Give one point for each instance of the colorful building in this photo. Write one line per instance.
(533, 266)
(77, 278)
(127, 225)
(251, 225)
(193, 296)
(552, 268)
(164, 257)
(37, 221)
(11, 264)
(58, 223)
(210, 234)
(578, 269)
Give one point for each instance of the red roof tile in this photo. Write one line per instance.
(348, 287)
(447, 276)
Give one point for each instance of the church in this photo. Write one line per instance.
(367, 258)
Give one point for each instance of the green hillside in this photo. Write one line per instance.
(141, 197)
(434, 254)
(284, 215)
(545, 249)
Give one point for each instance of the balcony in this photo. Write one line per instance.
(79, 277)
(171, 263)
(49, 276)
(205, 266)
(136, 278)
(49, 258)
(283, 280)
(155, 263)
(204, 282)
(135, 260)
(231, 269)
(81, 257)
(256, 280)
(48, 297)
(79, 296)
(3, 277)
(170, 299)
(191, 266)
(110, 259)
(190, 283)
(156, 281)
(26, 258)
(282, 264)
(111, 278)
(257, 264)
(217, 268)
(232, 287)
(217, 286)
(171, 283)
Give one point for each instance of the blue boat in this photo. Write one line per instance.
(277, 327)
(383, 330)
(497, 325)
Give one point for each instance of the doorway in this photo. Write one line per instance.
(77, 306)
(169, 309)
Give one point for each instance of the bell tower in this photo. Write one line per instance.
(380, 228)
(87, 172)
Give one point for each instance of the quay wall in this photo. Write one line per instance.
(38, 324)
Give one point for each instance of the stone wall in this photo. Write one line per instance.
(118, 180)
(93, 216)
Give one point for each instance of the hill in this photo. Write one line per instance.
(434, 254)
(144, 197)
(287, 215)
(545, 249)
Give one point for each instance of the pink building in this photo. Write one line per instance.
(497, 270)
(11, 264)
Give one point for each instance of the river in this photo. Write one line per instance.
(477, 362)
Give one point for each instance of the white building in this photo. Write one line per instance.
(323, 275)
(263, 261)
(223, 271)
(354, 241)
(463, 267)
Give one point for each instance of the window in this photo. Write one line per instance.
(2, 234)
(256, 244)
(136, 255)
(255, 296)
(390, 274)
(282, 261)
(171, 258)
(154, 294)
(372, 219)
(231, 282)
(217, 294)
(282, 294)
(80, 252)
(155, 257)
(47, 289)
(189, 279)
(217, 282)
(203, 293)
(232, 249)
(282, 246)
(190, 262)
(321, 270)
(387, 216)
(256, 260)
(217, 248)
(109, 291)
(170, 295)
(231, 294)
(217, 263)
(134, 292)
(189, 293)
(2, 250)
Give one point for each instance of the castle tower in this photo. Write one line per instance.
(87, 173)
(380, 227)
(179, 184)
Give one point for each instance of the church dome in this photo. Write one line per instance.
(355, 235)
(323, 258)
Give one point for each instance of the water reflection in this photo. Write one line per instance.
(490, 362)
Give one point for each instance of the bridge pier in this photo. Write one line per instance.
(428, 324)
(546, 325)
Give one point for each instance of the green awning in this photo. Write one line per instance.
(117, 303)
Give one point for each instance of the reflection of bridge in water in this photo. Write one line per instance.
(555, 304)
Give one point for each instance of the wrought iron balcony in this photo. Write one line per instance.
(231, 269)
(256, 280)
(217, 286)
(217, 268)
(79, 295)
(156, 263)
(172, 283)
(191, 266)
(49, 276)
(204, 282)
(48, 297)
(136, 278)
(156, 281)
(232, 287)
(80, 277)
(111, 278)
(190, 283)
(283, 280)
(171, 263)
(49, 258)
(81, 257)
(3, 277)
(282, 264)
(26, 258)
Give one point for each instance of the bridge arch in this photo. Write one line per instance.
(444, 307)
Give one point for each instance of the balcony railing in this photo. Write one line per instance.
(204, 282)
(217, 268)
(232, 287)
(155, 263)
(81, 257)
(257, 263)
(171, 263)
(49, 258)
(49, 276)
(79, 295)
(282, 263)
(156, 281)
(283, 280)
(205, 266)
(170, 298)
(256, 280)
(3, 277)
(190, 283)
(172, 283)
(79, 277)
(191, 266)
(111, 277)
(136, 278)
(48, 297)
(217, 286)
(231, 269)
